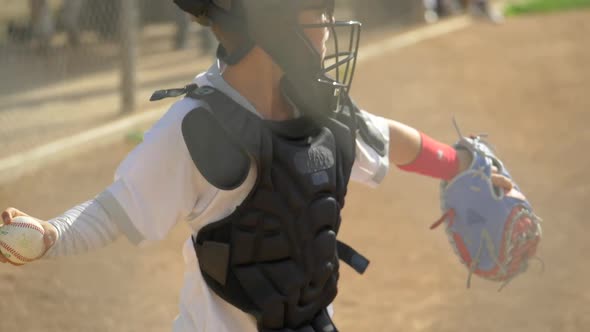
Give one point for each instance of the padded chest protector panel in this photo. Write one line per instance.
(275, 256)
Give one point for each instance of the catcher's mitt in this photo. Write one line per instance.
(494, 232)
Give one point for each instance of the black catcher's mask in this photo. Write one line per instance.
(315, 85)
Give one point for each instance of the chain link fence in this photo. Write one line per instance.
(71, 65)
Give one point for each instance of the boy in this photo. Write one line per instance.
(257, 160)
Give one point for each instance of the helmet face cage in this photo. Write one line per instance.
(339, 62)
(328, 76)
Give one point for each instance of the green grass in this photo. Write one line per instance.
(544, 6)
(134, 136)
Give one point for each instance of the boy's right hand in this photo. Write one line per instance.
(49, 237)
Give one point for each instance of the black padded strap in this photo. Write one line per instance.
(351, 257)
(168, 93)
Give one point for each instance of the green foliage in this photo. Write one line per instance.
(544, 6)
(134, 137)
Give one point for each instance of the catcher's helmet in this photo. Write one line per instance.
(315, 82)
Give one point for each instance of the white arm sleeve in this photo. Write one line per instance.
(369, 167)
(85, 227)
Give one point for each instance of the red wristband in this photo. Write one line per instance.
(435, 159)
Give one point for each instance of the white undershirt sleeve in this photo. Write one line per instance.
(81, 229)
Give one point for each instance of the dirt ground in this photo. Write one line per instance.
(525, 83)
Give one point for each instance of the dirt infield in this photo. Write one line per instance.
(525, 83)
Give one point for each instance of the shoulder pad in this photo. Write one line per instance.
(221, 161)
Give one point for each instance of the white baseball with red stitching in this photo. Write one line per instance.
(21, 241)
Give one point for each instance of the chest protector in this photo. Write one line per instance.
(276, 256)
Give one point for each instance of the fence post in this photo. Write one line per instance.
(128, 39)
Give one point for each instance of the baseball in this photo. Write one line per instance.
(21, 241)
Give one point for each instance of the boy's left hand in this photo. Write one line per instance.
(498, 180)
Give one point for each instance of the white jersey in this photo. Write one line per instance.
(158, 185)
